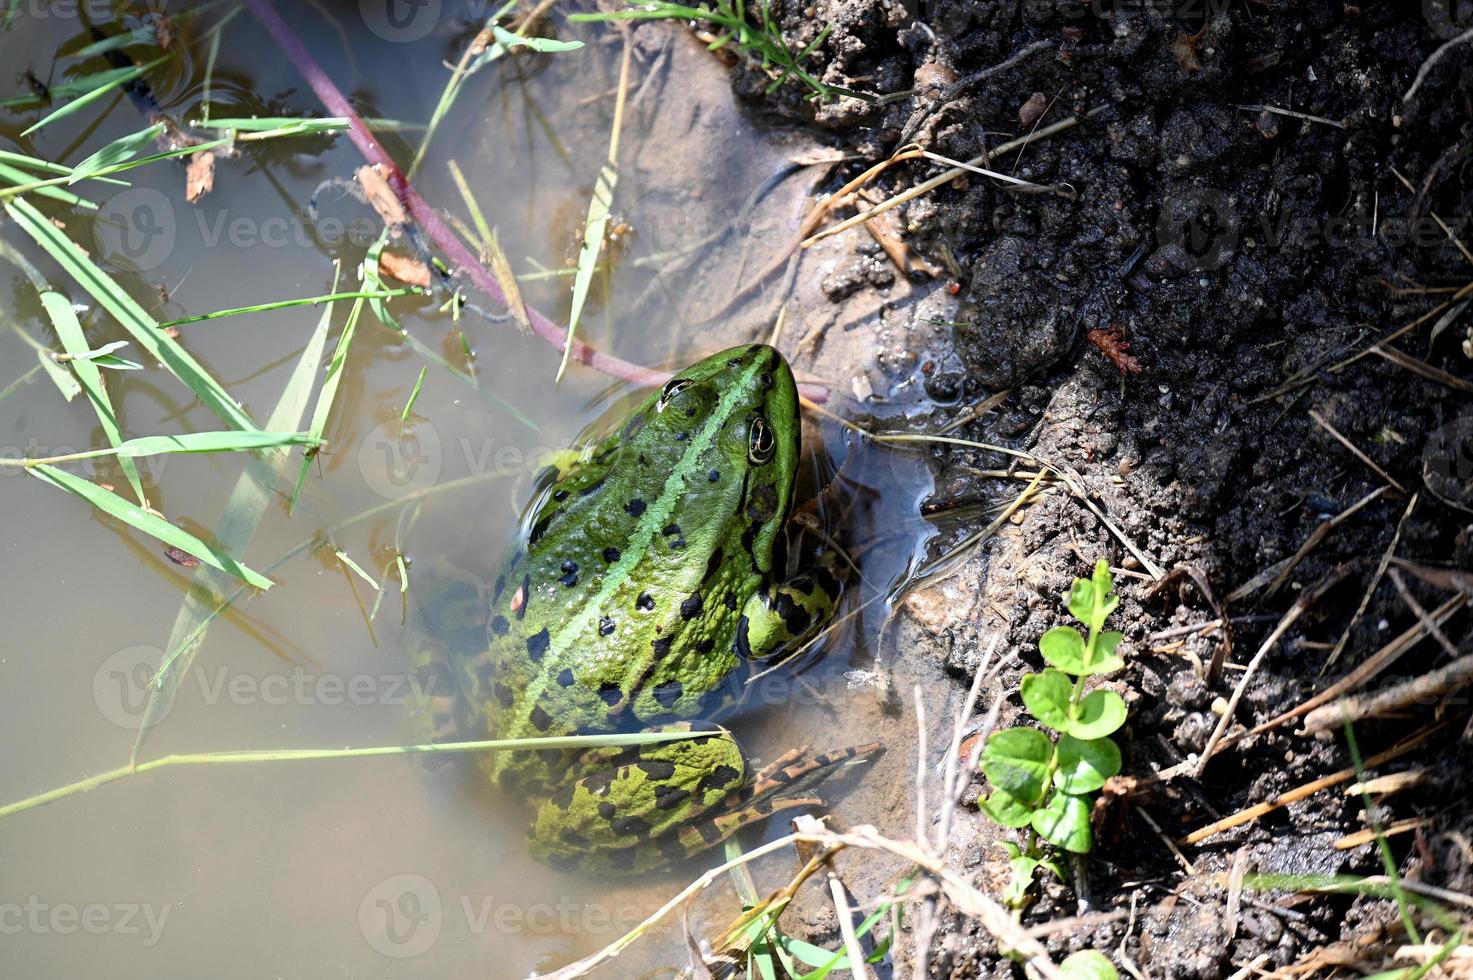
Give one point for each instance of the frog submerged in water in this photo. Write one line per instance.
(650, 570)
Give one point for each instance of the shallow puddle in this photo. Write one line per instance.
(365, 867)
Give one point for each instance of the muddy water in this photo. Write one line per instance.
(366, 868)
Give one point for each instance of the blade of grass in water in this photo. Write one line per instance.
(18, 383)
(118, 151)
(286, 304)
(313, 755)
(63, 90)
(120, 77)
(278, 125)
(147, 522)
(254, 491)
(129, 314)
(597, 224)
(20, 178)
(184, 443)
(413, 396)
(504, 41)
(326, 396)
(374, 280)
(69, 332)
(65, 381)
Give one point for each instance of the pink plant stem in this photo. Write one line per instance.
(454, 250)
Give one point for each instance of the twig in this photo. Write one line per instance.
(950, 92)
(1433, 59)
(1276, 110)
(1365, 599)
(842, 909)
(1323, 423)
(1419, 690)
(1295, 611)
(1421, 614)
(1403, 359)
(947, 176)
(1309, 789)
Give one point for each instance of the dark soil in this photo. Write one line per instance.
(1236, 250)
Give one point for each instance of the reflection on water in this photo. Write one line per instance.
(363, 867)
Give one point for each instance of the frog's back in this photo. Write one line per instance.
(617, 606)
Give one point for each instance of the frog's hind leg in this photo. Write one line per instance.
(786, 783)
(628, 808)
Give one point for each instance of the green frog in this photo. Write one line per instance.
(649, 570)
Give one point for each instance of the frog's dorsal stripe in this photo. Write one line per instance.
(655, 517)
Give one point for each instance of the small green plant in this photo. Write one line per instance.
(1044, 782)
(762, 42)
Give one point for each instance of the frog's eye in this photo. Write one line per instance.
(761, 442)
(672, 388)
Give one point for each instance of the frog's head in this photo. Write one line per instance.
(728, 426)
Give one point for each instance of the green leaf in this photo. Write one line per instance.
(1105, 656)
(20, 178)
(212, 442)
(147, 522)
(1090, 600)
(127, 312)
(1064, 822)
(1015, 894)
(1088, 964)
(1099, 714)
(119, 150)
(594, 228)
(254, 491)
(1016, 760)
(1063, 647)
(109, 81)
(1046, 697)
(60, 376)
(1085, 764)
(1007, 810)
(549, 45)
(328, 393)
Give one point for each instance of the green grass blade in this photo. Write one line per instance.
(279, 125)
(147, 522)
(20, 178)
(413, 395)
(594, 229)
(119, 78)
(18, 383)
(254, 491)
(327, 395)
(60, 376)
(139, 35)
(452, 89)
(118, 151)
(129, 314)
(69, 332)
